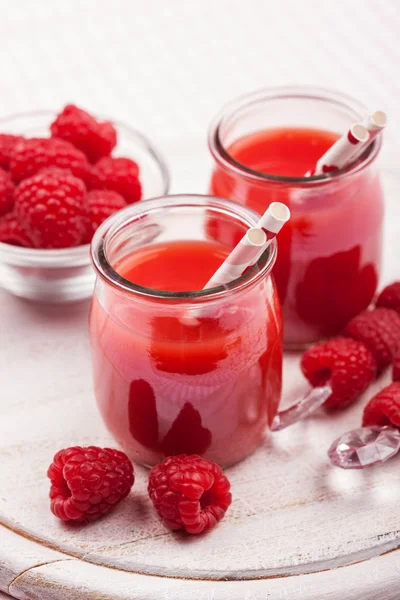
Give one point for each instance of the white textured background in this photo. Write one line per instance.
(166, 66)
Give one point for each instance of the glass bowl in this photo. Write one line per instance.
(66, 275)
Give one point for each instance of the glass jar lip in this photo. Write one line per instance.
(222, 156)
(108, 228)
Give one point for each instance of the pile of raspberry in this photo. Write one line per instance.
(369, 344)
(55, 191)
(188, 492)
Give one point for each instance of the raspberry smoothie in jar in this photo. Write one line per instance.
(329, 258)
(178, 369)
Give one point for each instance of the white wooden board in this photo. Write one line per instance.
(294, 524)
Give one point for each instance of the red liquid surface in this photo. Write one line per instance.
(174, 266)
(329, 252)
(167, 387)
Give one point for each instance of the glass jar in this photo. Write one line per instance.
(330, 251)
(184, 372)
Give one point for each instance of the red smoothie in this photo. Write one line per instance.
(165, 386)
(329, 252)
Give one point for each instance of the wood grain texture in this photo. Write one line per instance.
(292, 512)
(18, 554)
(55, 581)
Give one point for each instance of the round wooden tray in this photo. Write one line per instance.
(297, 526)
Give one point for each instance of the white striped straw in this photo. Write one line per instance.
(242, 256)
(375, 123)
(274, 218)
(343, 151)
(252, 245)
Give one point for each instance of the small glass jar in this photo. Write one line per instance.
(330, 251)
(184, 372)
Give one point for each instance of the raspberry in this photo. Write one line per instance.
(7, 143)
(30, 156)
(12, 233)
(51, 209)
(101, 204)
(189, 493)
(379, 329)
(348, 365)
(390, 297)
(86, 483)
(396, 368)
(6, 193)
(94, 138)
(384, 408)
(118, 174)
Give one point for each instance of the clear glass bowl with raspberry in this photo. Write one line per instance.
(65, 274)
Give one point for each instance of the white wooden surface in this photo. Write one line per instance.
(293, 515)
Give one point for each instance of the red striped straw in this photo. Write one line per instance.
(343, 151)
(251, 246)
(243, 255)
(274, 218)
(375, 123)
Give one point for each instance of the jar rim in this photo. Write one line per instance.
(225, 159)
(113, 224)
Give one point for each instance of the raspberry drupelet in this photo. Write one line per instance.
(86, 483)
(189, 493)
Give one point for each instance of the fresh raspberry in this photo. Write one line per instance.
(348, 365)
(396, 368)
(30, 156)
(7, 143)
(118, 174)
(189, 493)
(6, 193)
(86, 483)
(51, 208)
(379, 329)
(390, 297)
(101, 204)
(95, 138)
(12, 233)
(384, 408)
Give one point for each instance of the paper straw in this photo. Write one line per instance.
(344, 151)
(274, 218)
(252, 245)
(375, 123)
(242, 256)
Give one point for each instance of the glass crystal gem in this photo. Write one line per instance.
(301, 409)
(365, 446)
